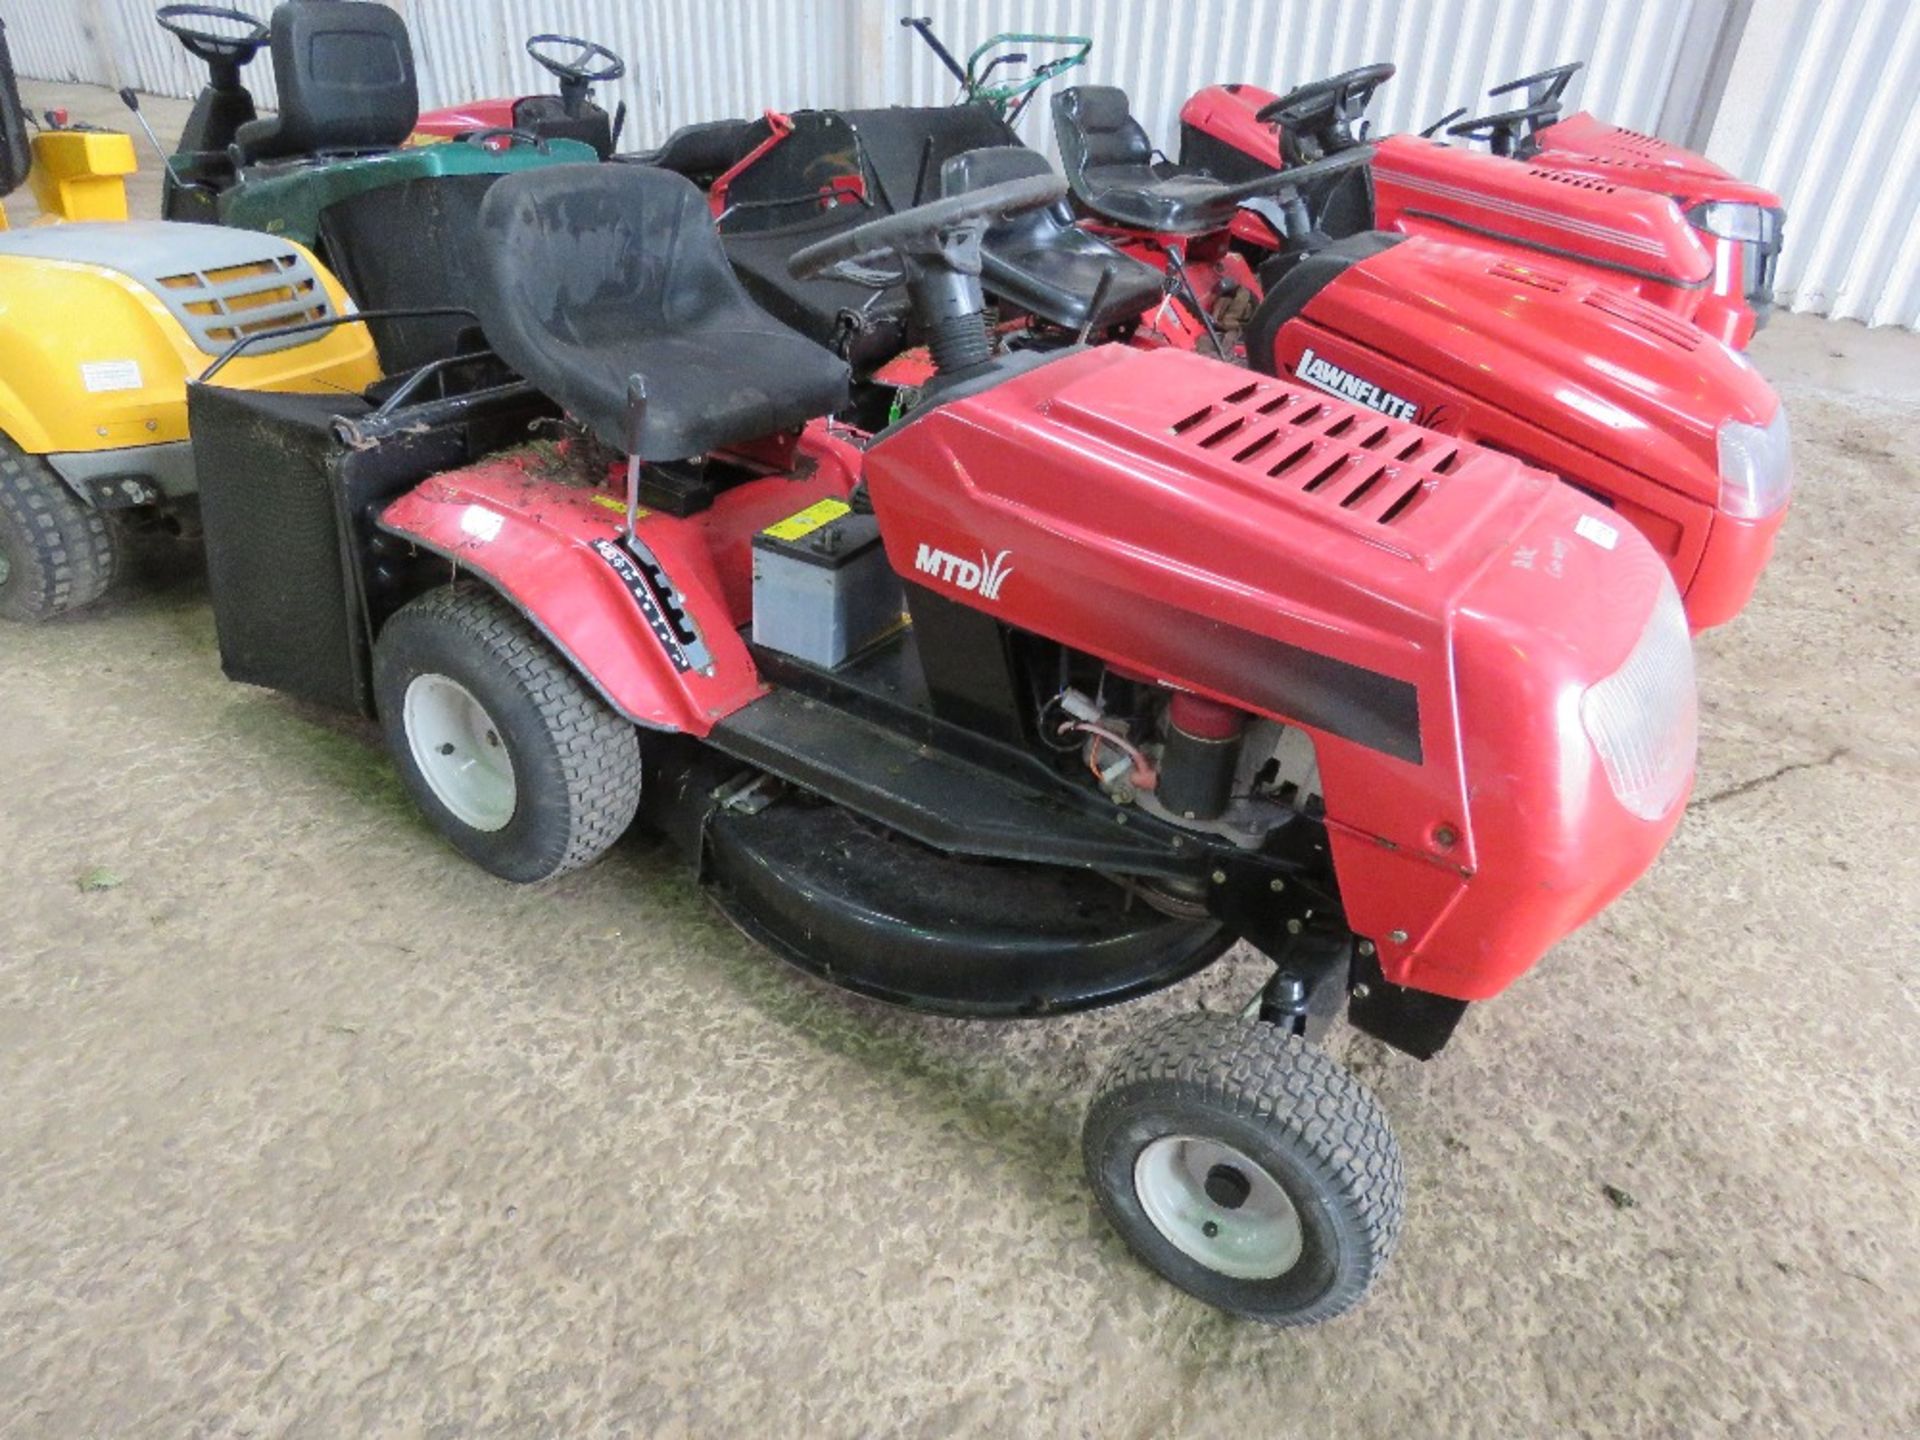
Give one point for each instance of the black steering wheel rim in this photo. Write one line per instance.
(1505, 130)
(208, 45)
(575, 70)
(926, 231)
(1338, 99)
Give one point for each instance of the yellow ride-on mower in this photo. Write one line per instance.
(102, 323)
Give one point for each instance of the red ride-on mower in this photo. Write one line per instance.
(1677, 433)
(1577, 194)
(578, 65)
(1097, 662)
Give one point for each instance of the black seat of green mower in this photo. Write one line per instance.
(1111, 168)
(589, 274)
(1044, 263)
(344, 69)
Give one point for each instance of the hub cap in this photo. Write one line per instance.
(1217, 1206)
(458, 749)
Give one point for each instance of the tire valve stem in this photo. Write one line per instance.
(1211, 1229)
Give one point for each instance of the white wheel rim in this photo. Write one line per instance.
(1242, 1225)
(460, 752)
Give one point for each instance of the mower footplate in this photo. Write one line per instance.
(884, 916)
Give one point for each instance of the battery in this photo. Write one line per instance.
(822, 587)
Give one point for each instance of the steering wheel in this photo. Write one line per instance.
(577, 70)
(222, 50)
(946, 232)
(1543, 87)
(1507, 132)
(1317, 118)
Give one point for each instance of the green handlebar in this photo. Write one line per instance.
(998, 95)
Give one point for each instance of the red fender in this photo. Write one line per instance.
(551, 547)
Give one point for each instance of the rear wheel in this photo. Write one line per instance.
(1247, 1167)
(56, 552)
(523, 768)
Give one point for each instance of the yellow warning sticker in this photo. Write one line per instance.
(822, 512)
(612, 502)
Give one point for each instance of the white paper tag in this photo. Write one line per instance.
(1592, 527)
(481, 523)
(99, 375)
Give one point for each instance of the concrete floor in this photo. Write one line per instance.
(310, 1129)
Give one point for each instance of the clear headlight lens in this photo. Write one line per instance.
(1756, 467)
(1644, 718)
(1731, 220)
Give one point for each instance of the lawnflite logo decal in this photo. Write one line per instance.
(983, 577)
(1327, 376)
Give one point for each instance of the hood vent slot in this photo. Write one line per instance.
(1654, 321)
(1357, 463)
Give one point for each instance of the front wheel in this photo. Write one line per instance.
(515, 760)
(1247, 1167)
(57, 553)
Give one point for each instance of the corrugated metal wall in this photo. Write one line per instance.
(1449, 51)
(1850, 171)
(1823, 106)
(708, 59)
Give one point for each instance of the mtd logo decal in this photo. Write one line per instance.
(1325, 375)
(983, 579)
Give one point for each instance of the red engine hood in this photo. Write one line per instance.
(1239, 536)
(1612, 373)
(1631, 230)
(1584, 145)
(464, 119)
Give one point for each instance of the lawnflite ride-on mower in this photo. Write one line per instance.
(1098, 661)
(1575, 195)
(1676, 432)
(578, 65)
(102, 324)
(333, 169)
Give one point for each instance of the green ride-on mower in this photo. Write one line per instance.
(333, 169)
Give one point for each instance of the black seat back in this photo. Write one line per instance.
(1096, 128)
(344, 69)
(905, 147)
(590, 273)
(977, 169)
(1043, 262)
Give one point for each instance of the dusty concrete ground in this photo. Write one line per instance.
(310, 1129)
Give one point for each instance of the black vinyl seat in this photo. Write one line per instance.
(1111, 170)
(344, 69)
(867, 324)
(704, 151)
(1044, 263)
(592, 273)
